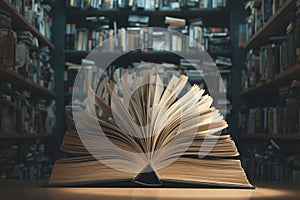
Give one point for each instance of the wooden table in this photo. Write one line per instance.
(24, 191)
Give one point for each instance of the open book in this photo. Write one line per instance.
(151, 134)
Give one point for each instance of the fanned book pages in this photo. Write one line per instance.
(142, 132)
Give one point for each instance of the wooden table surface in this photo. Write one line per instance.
(24, 191)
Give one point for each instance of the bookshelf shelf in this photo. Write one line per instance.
(71, 53)
(279, 136)
(26, 136)
(275, 26)
(118, 18)
(21, 24)
(23, 83)
(221, 53)
(271, 85)
(161, 11)
(133, 56)
(22, 114)
(75, 56)
(212, 16)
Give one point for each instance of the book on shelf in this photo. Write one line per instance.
(196, 31)
(177, 42)
(21, 52)
(88, 72)
(293, 43)
(199, 3)
(176, 4)
(189, 67)
(7, 37)
(261, 13)
(267, 9)
(70, 36)
(83, 39)
(69, 76)
(280, 118)
(7, 55)
(18, 5)
(212, 39)
(224, 69)
(174, 20)
(45, 25)
(22, 115)
(224, 170)
(33, 61)
(138, 20)
(271, 59)
(37, 13)
(267, 162)
(267, 120)
(138, 36)
(219, 3)
(292, 114)
(223, 61)
(25, 161)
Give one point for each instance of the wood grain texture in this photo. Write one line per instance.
(264, 190)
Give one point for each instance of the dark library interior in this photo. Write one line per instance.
(244, 54)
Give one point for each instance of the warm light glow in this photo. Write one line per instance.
(152, 193)
(170, 193)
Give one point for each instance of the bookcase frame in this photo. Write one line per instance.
(262, 93)
(275, 25)
(20, 23)
(229, 17)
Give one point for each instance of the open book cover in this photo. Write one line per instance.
(152, 135)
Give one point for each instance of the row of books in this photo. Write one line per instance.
(20, 52)
(212, 39)
(132, 38)
(265, 63)
(273, 119)
(189, 67)
(37, 13)
(282, 54)
(282, 118)
(145, 4)
(32, 61)
(20, 114)
(261, 12)
(268, 163)
(27, 161)
(196, 75)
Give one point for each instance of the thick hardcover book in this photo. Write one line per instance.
(168, 136)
